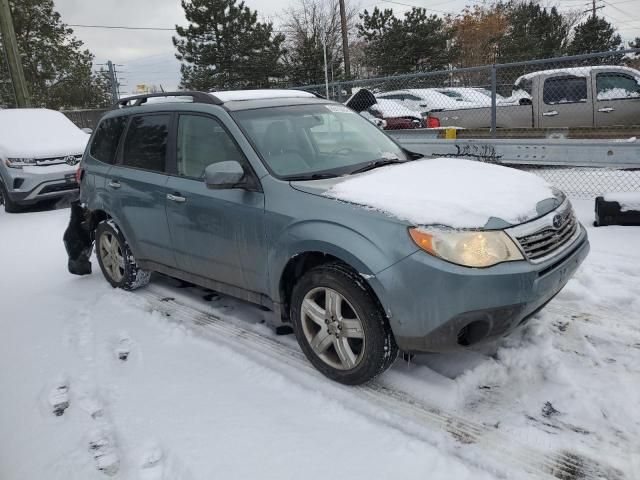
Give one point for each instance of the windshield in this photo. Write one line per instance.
(319, 139)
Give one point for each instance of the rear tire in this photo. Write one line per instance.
(116, 261)
(9, 205)
(340, 325)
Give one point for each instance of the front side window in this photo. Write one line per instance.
(567, 89)
(201, 142)
(304, 140)
(145, 146)
(105, 141)
(617, 86)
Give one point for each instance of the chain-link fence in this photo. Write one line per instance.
(585, 96)
(588, 183)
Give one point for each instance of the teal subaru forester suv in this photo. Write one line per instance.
(295, 203)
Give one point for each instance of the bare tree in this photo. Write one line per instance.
(309, 25)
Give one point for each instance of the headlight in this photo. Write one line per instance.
(470, 249)
(19, 162)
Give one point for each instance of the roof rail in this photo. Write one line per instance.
(198, 97)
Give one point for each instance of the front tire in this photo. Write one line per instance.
(116, 261)
(9, 205)
(340, 325)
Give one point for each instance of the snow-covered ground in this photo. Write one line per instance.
(175, 382)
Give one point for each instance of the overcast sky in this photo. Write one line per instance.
(148, 56)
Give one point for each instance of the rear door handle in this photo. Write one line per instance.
(176, 198)
(552, 113)
(606, 109)
(114, 184)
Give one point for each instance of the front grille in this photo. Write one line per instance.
(545, 241)
(41, 162)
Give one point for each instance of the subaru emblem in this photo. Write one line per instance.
(557, 221)
(71, 160)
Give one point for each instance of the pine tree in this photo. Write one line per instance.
(594, 35)
(226, 47)
(534, 32)
(59, 73)
(417, 42)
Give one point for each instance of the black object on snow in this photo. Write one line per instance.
(610, 213)
(78, 242)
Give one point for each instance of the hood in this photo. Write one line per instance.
(447, 192)
(39, 133)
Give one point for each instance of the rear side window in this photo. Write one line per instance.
(567, 89)
(201, 142)
(616, 86)
(105, 141)
(145, 145)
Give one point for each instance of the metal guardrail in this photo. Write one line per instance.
(580, 167)
(526, 151)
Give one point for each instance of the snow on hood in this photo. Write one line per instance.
(39, 133)
(449, 191)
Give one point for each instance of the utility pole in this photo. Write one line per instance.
(593, 8)
(345, 40)
(14, 62)
(113, 81)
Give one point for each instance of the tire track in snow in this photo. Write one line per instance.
(494, 443)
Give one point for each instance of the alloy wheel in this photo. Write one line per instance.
(332, 328)
(112, 256)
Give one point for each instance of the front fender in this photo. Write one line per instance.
(346, 244)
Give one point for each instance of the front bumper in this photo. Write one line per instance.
(435, 306)
(30, 185)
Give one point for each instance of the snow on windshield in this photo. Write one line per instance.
(447, 191)
(39, 133)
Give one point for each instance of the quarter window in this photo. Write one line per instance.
(617, 86)
(145, 145)
(105, 141)
(567, 89)
(201, 142)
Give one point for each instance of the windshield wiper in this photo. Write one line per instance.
(381, 162)
(311, 176)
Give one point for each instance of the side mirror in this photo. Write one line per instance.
(525, 101)
(223, 175)
(87, 130)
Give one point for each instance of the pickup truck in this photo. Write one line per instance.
(595, 96)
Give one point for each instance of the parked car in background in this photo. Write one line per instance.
(596, 96)
(426, 100)
(477, 95)
(39, 153)
(300, 205)
(395, 115)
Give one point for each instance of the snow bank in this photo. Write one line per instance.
(447, 191)
(627, 200)
(39, 133)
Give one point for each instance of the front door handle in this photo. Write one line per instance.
(552, 113)
(176, 198)
(114, 184)
(606, 109)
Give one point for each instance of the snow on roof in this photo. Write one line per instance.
(232, 95)
(577, 71)
(392, 109)
(39, 133)
(627, 200)
(447, 191)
